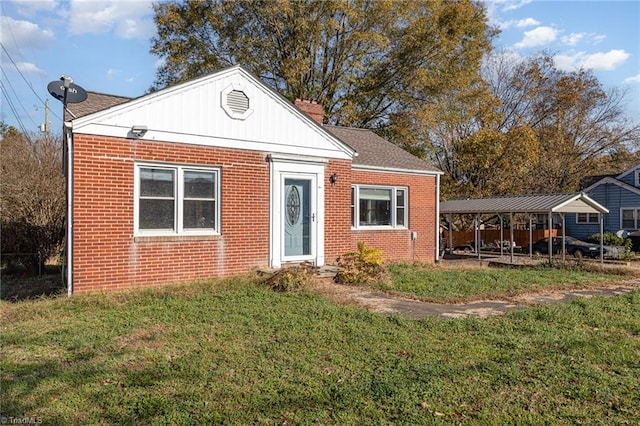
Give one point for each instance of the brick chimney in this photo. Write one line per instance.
(311, 108)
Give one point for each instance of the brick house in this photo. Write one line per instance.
(220, 174)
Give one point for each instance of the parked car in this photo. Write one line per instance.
(574, 247)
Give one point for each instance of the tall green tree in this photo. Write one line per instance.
(363, 60)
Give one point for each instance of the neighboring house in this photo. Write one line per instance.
(220, 174)
(618, 193)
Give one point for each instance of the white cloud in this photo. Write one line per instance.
(632, 80)
(496, 7)
(600, 61)
(111, 72)
(29, 68)
(527, 22)
(31, 7)
(568, 62)
(573, 38)
(509, 5)
(520, 23)
(131, 28)
(128, 19)
(537, 37)
(16, 34)
(606, 61)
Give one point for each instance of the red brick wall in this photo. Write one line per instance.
(337, 216)
(396, 243)
(106, 255)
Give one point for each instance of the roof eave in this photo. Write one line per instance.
(381, 169)
(613, 181)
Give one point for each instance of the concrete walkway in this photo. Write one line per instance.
(383, 303)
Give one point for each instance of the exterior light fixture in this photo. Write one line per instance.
(138, 130)
(333, 179)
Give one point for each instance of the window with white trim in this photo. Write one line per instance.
(176, 200)
(379, 206)
(587, 218)
(630, 218)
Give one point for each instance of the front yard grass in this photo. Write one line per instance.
(431, 283)
(230, 351)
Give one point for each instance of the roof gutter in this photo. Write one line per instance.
(396, 170)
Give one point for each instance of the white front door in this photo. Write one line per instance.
(297, 226)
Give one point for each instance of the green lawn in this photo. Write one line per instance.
(444, 285)
(232, 352)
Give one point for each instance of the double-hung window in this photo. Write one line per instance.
(379, 206)
(584, 218)
(630, 218)
(176, 200)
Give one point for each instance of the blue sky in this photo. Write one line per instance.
(104, 46)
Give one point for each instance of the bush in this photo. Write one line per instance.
(32, 206)
(609, 239)
(292, 278)
(362, 267)
(628, 252)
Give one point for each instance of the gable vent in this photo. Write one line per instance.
(237, 101)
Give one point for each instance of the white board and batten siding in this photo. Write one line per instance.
(195, 113)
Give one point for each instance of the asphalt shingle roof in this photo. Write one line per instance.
(95, 102)
(374, 151)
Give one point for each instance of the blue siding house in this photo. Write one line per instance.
(621, 195)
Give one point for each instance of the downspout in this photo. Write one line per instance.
(68, 136)
(438, 218)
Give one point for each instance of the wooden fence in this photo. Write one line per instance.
(490, 236)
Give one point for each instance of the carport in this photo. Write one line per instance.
(524, 204)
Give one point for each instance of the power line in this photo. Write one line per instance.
(17, 97)
(15, 43)
(24, 78)
(13, 109)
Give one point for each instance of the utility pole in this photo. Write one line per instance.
(45, 126)
(46, 119)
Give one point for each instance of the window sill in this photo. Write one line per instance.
(174, 238)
